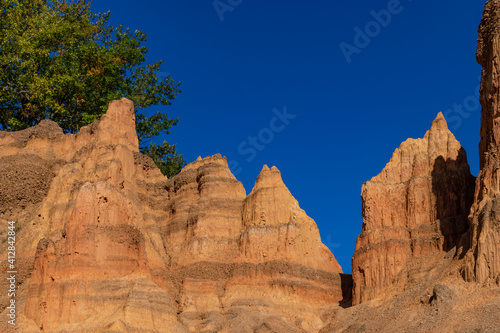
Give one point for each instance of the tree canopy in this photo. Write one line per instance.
(61, 61)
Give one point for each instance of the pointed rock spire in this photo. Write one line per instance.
(417, 205)
(276, 227)
(439, 122)
(117, 126)
(269, 177)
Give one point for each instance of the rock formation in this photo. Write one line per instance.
(107, 243)
(275, 227)
(417, 206)
(483, 260)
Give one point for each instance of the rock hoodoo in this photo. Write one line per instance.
(417, 206)
(106, 243)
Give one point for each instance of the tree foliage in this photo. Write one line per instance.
(61, 61)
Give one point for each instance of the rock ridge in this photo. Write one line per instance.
(107, 242)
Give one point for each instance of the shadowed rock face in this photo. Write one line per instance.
(107, 243)
(417, 206)
(483, 260)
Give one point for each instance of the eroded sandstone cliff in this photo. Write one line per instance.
(417, 206)
(483, 260)
(107, 243)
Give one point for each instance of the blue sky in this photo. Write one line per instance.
(294, 83)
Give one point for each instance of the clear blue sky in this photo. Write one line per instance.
(349, 117)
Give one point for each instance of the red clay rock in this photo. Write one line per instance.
(275, 227)
(107, 243)
(417, 206)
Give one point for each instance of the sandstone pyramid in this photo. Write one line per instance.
(416, 207)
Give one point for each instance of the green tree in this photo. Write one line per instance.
(61, 61)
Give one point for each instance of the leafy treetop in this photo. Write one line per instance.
(61, 61)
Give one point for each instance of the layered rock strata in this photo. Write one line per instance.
(107, 243)
(417, 206)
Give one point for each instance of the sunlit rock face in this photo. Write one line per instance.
(417, 206)
(107, 243)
